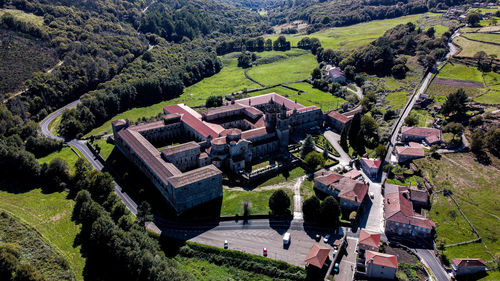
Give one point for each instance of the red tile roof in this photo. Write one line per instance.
(348, 188)
(317, 255)
(254, 133)
(339, 117)
(353, 174)
(369, 238)
(309, 108)
(180, 148)
(372, 163)
(398, 208)
(192, 121)
(430, 134)
(410, 151)
(418, 195)
(222, 109)
(336, 72)
(382, 259)
(258, 100)
(468, 262)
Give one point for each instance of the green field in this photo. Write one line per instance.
(354, 36)
(490, 97)
(106, 148)
(287, 70)
(65, 154)
(460, 72)
(285, 177)
(423, 116)
(50, 215)
(312, 96)
(475, 187)
(397, 99)
(444, 90)
(470, 48)
(487, 37)
(232, 202)
(491, 78)
(204, 270)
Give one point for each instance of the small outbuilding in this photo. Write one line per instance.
(317, 255)
(467, 266)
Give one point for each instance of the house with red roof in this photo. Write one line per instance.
(317, 255)
(380, 265)
(337, 120)
(368, 240)
(467, 266)
(371, 166)
(350, 193)
(408, 153)
(421, 134)
(400, 217)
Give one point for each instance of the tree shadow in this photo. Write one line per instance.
(280, 225)
(482, 158)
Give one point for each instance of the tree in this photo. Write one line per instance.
(325, 152)
(430, 32)
(307, 146)
(455, 128)
(493, 140)
(411, 121)
(473, 19)
(456, 104)
(311, 208)
(27, 272)
(214, 101)
(380, 151)
(57, 174)
(368, 125)
(144, 213)
(343, 138)
(399, 71)
(8, 263)
(330, 211)
(354, 129)
(245, 60)
(279, 202)
(314, 159)
(316, 73)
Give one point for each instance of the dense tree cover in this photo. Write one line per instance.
(310, 208)
(246, 59)
(383, 56)
(175, 20)
(257, 44)
(473, 19)
(309, 44)
(161, 75)
(456, 104)
(279, 203)
(214, 101)
(326, 212)
(320, 13)
(314, 160)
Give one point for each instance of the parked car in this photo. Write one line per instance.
(336, 268)
(226, 245)
(264, 252)
(372, 195)
(286, 239)
(327, 237)
(318, 237)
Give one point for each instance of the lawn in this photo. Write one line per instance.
(65, 154)
(460, 72)
(423, 116)
(470, 48)
(284, 177)
(312, 96)
(307, 188)
(54, 125)
(397, 99)
(106, 148)
(279, 90)
(475, 187)
(486, 37)
(491, 78)
(444, 90)
(204, 270)
(354, 36)
(286, 70)
(232, 202)
(50, 216)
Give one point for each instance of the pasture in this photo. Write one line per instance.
(470, 48)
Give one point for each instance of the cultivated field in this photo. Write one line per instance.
(486, 37)
(460, 72)
(470, 48)
(475, 187)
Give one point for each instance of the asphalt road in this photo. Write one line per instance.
(81, 146)
(431, 261)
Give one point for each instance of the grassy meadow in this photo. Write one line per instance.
(486, 37)
(460, 72)
(470, 48)
(474, 186)
(50, 216)
(65, 154)
(232, 202)
(491, 96)
(396, 99)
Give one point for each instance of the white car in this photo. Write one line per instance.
(226, 245)
(327, 237)
(372, 195)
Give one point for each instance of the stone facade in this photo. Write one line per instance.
(379, 265)
(463, 267)
(230, 136)
(350, 193)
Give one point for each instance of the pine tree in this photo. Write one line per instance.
(144, 213)
(307, 146)
(354, 131)
(343, 138)
(325, 151)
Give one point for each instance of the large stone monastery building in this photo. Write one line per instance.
(228, 137)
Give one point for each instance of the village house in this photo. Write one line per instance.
(229, 137)
(371, 166)
(418, 134)
(336, 74)
(350, 193)
(337, 121)
(353, 174)
(368, 240)
(419, 198)
(380, 265)
(400, 217)
(463, 267)
(410, 152)
(317, 255)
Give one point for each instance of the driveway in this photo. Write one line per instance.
(334, 139)
(347, 265)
